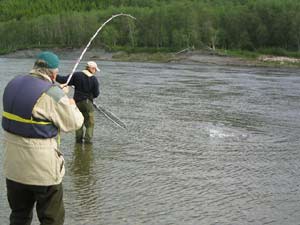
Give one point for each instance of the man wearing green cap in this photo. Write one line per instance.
(34, 112)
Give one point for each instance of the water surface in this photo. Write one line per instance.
(205, 144)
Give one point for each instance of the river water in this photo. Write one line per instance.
(205, 144)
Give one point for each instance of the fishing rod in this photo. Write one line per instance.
(105, 112)
(89, 43)
(109, 115)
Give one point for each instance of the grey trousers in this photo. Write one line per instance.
(48, 199)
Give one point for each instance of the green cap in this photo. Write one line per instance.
(50, 58)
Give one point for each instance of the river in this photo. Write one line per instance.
(205, 144)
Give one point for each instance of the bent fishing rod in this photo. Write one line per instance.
(89, 43)
(106, 113)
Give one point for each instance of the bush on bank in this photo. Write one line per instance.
(251, 26)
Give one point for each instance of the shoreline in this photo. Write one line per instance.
(186, 57)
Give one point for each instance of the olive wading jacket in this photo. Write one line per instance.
(38, 161)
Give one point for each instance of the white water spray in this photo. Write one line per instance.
(93, 37)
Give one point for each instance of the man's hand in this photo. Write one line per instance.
(71, 101)
(64, 88)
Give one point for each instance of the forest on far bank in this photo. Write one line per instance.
(161, 25)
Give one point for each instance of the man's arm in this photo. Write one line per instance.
(61, 79)
(96, 90)
(55, 106)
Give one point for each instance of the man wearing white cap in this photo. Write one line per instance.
(86, 89)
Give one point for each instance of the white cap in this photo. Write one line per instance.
(93, 64)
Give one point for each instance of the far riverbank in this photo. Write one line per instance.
(186, 57)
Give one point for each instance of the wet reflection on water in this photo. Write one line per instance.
(83, 194)
(82, 162)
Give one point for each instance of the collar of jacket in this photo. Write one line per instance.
(37, 73)
(88, 73)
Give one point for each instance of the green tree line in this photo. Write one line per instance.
(160, 24)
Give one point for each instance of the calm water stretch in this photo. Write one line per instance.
(205, 145)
